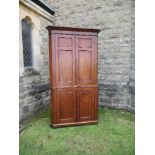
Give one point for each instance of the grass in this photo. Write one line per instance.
(114, 135)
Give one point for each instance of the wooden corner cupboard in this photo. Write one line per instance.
(73, 76)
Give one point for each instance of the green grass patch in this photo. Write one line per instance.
(114, 135)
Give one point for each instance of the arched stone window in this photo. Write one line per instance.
(27, 41)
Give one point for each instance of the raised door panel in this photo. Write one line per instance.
(85, 102)
(85, 68)
(66, 104)
(65, 60)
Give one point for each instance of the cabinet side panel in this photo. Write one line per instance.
(54, 108)
(96, 77)
(96, 59)
(53, 59)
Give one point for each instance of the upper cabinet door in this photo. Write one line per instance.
(85, 60)
(64, 59)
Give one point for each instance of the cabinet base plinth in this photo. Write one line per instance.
(73, 124)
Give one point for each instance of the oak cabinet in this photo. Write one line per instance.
(73, 75)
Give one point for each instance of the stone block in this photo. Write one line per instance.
(25, 109)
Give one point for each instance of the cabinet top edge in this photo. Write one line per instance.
(50, 28)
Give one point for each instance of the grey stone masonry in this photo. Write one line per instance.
(34, 86)
(115, 19)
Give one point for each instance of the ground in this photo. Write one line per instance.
(114, 135)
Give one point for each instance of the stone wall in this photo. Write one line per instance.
(34, 93)
(115, 19)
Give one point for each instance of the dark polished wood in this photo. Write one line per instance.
(60, 28)
(73, 76)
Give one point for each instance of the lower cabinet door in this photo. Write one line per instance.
(66, 105)
(85, 104)
(73, 106)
